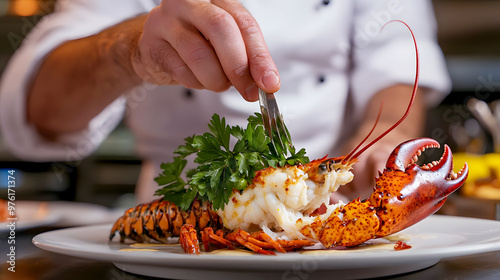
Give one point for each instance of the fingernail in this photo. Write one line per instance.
(251, 93)
(270, 80)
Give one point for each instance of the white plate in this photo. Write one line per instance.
(434, 238)
(30, 214)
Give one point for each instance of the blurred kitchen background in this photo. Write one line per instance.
(469, 34)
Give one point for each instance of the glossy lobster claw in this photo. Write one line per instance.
(406, 193)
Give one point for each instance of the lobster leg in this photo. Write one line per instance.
(270, 241)
(211, 238)
(189, 240)
(405, 194)
(258, 241)
(244, 238)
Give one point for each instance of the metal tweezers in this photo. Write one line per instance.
(273, 122)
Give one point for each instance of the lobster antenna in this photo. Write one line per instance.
(414, 93)
(366, 137)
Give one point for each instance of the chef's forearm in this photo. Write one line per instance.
(81, 77)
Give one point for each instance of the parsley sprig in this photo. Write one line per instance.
(220, 167)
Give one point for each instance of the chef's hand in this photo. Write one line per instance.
(205, 44)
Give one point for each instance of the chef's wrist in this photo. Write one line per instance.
(118, 46)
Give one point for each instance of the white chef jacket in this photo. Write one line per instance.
(330, 55)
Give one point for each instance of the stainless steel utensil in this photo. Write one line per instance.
(273, 121)
(483, 114)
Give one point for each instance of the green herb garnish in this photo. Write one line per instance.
(220, 168)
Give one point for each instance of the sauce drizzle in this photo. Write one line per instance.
(401, 245)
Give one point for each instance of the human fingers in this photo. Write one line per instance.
(162, 65)
(226, 25)
(156, 61)
(194, 45)
(262, 67)
(220, 29)
(204, 45)
(172, 51)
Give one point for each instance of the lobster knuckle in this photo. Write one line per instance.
(333, 230)
(313, 230)
(359, 223)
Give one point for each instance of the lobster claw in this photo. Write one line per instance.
(406, 193)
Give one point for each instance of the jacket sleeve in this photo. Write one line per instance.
(71, 20)
(384, 57)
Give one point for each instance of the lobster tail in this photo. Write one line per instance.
(161, 219)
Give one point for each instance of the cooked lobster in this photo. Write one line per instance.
(404, 194)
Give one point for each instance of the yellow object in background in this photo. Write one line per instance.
(483, 181)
